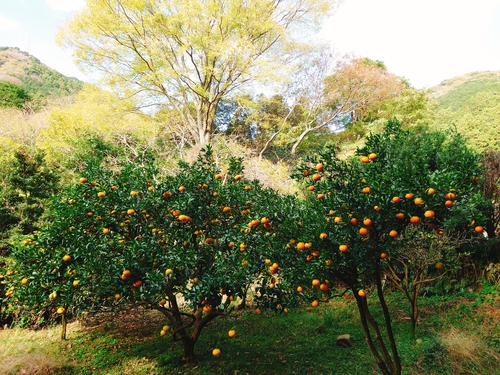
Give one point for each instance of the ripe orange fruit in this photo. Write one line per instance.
(24, 281)
(393, 233)
(258, 311)
(216, 352)
(418, 201)
(130, 211)
(414, 220)
(478, 229)
(83, 180)
(396, 199)
(105, 230)
(431, 191)
(361, 293)
(366, 190)
(383, 255)
(300, 289)
(67, 258)
(231, 333)
(429, 214)
(320, 167)
(372, 156)
(101, 194)
(237, 177)
(126, 274)
(450, 196)
(315, 303)
(324, 287)
(400, 216)
(439, 265)
(343, 248)
(316, 177)
(182, 188)
(376, 208)
(137, 284)
(365, 159)
(226, 209)
(306, 173)
(448, 203)
(316, 282)
(320, 196)
(323, 236)
(354, 221)
(61, 310)
(408, 196)
(337, 219)
(167, 194)
(76, 283)
(310, 188)
(440, 232)
(363, 231)
(301, 246)
(367, 222)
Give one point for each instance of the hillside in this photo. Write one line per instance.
(470, 105)
(458, 91)
(37, 79)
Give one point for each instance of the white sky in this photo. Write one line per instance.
(425, 41)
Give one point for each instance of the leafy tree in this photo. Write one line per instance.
(189, 54)
(13, 95)
(402, 184)
(24, 199)
(121, 239)
(412, 108)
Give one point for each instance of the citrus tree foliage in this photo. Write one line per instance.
(358, 209)
(188, 54)
(121, 239)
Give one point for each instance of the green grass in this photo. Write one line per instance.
(456, 335)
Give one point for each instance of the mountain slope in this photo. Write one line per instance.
(40, 81)
(459, 91)
(470, 105)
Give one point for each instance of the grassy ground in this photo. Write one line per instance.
(456, 335)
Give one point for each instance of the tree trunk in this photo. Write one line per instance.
(188, 355)
(300, 139)
(63, 326)
(388, 326)
(362, 308)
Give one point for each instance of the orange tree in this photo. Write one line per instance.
(188, 246)
(356, 209)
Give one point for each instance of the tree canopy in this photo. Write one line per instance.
(189, 54)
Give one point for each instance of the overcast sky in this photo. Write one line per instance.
(425, 41)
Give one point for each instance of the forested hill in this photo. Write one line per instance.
(470, 105)
(37, 79)
(459, 91)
